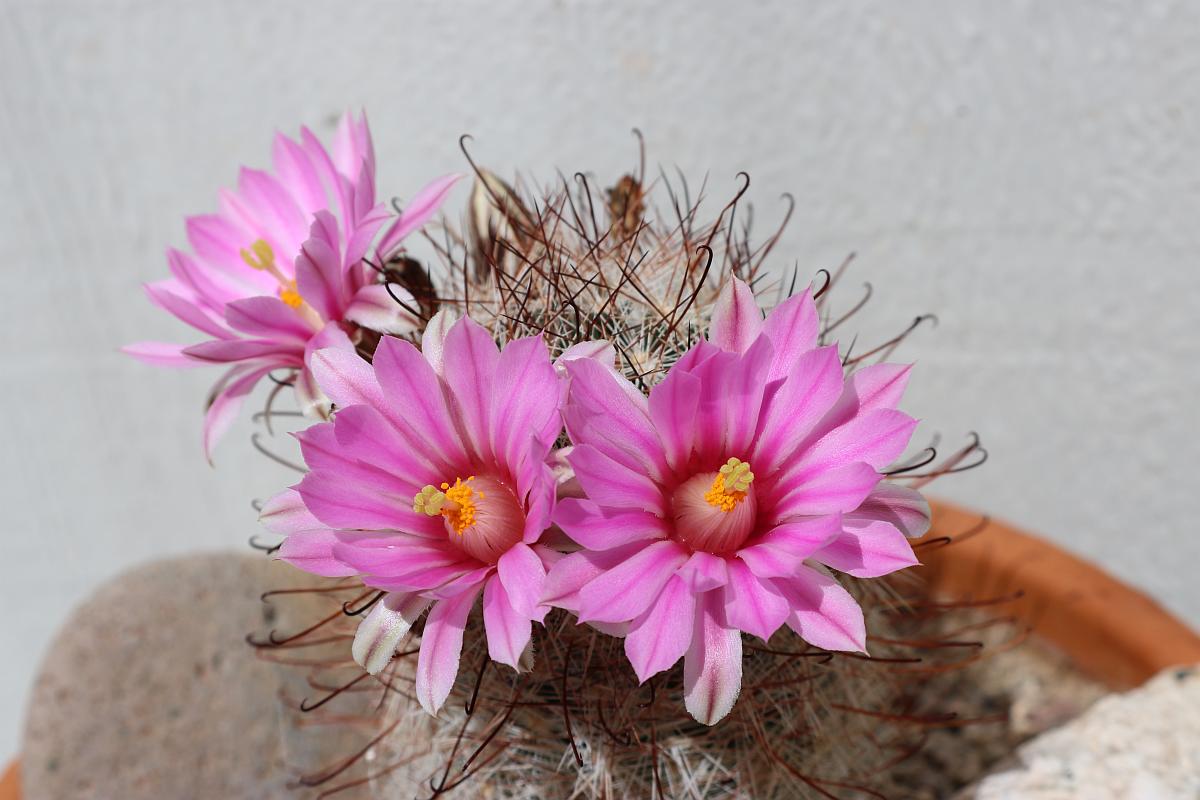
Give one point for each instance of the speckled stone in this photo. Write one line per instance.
(1141, 745)
(151, 691)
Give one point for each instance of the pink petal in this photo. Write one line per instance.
(161, 354)
(712, 665)
(903, 507)
(703, 572)
(296, 172)
(781, 551)
(525, 400)
(441, 646)
(165, 295)
(823, 613)
(876, 437)
(213, 289)
(374, 308)
(226, 351)
(219, 241)
(819, 492)
(419, 211)
(224, 407)
(272, 206)
(732, 387)
(341, 501)
(751, 605)
(319, 268)
(604, 413)
(508, 630)
(352, 146)
(625, 591)
(880, 385)
(384, 628)
(268, 318)
(470, 365)
(416, 404)
(672, 407)
(736, 318)
(611, 484)
(312, 551)
(285, 513)
(571, 572)
(601, 351)
(796, 406)
(600, 528)
(656, 639)
(792, 327)
(345, 378)
(524, 578)
(433, 340)
(868, 549)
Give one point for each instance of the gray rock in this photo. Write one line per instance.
(1140, 745)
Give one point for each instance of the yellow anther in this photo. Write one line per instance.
(456, 503)
(730, 485)
(259, 256)
(289, 295)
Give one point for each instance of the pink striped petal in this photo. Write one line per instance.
(524, 578)
(672, 407)
(875, 437)
(166, 295)
(903, 507)
(441, 647)
(823, 613)
(525, 400)
(508, 630)
(792, 327)
(285, 514)
(572, 572)
(319, 268)
(796, 406)
(600, 528)
(736, 318)
(656, 639)
(433, 340)
(704, 571)
(625, 591)
(345, 378)
(712, 665)
(470, 365)
(416, 404)
(868, 549)
(221, 413)
(312, 551)
(752, 605)
(268, 318)
(616, 419)
(161, 354)
(296, 172)
(419, 211)
(818, 492)
(374, 308)
(610, 484)
(228, 351)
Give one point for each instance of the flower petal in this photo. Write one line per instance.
(161, 354)
(795, 407)
(419, 210)
(508, 630)
(600, 528)
(703, 572)
(609, 483)
(224, 407)
(816, 492)
(736, 318)
(374, 308)
(752, 605)
(285, 513)
(524, 578)
(656, 640)
(345, 378)
(868, 549)
(608, 413)
(269, 318)
(312, 551)
(469, 368)
(525, 400)
(571, 572)
(672, 407)
(712, 666)
(385, 627)
(823, 613)
(625, 591)
(441, 647)
(905, 508)
(792, 327)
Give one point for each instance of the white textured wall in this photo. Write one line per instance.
(1029, 171)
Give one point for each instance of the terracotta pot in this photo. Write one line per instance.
(1112, 632)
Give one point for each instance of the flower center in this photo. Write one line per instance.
(261, 256)
(715, 511)
(482, 515)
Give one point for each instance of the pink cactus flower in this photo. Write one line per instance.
(278, 271)
(718, 504)
(432, 484)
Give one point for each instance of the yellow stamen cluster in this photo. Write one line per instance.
(290, 295)
(456, 503)
(730, 486)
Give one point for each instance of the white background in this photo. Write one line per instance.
(1028, 171)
